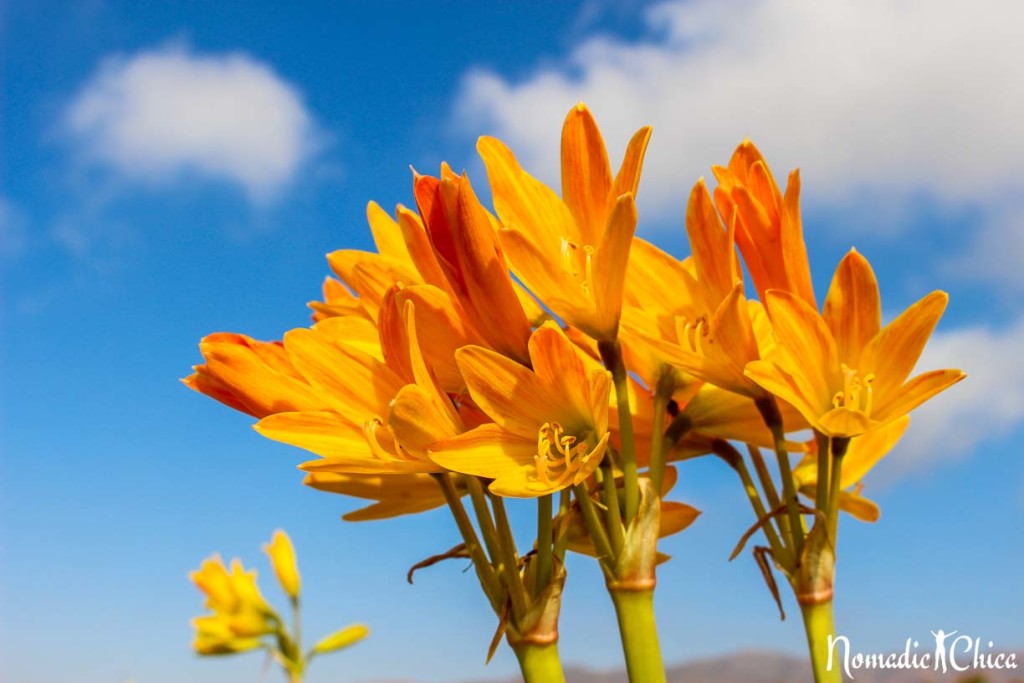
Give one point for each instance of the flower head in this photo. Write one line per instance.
(571, 252)
(550, 426)
(842, 370)
(240, 614)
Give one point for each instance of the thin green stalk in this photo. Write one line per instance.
(765, 477)
(544, 536)
(778, 549)
(509, 559)
(611, 354)
(539, 663)
(484, 571)
(773, 419)
(613, 515)
(595, 528)
(662, 395)
(483, 517)
(562, 540)
(819, 625)
(639, 633)
(822, 489)
(838, 449)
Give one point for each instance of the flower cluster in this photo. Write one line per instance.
(545, 351)
(242, 620)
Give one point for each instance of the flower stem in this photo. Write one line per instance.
(484, 571)
(509, 559)
(539, 663)
(611, 354)
(769, 409)
(544, 539)
(635, 612)
(662, 394)
(819, 625)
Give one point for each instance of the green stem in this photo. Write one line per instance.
(778, 550)
(662, 394)
(613, 515)
(635, 612)
(562, 540)
(611, 354)
(484, 571)
(822, 489)
(483, 517)
(509, 560)
(595, 528)
(773, 419)
(819, 625)
(539, 663)
(764, 476)
(839, 447)
(544, 539)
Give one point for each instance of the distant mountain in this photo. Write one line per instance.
(764, 667)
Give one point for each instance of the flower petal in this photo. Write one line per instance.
(853, 307)
(892, 355)
(917, 391)
(488, 451)
(628, 177)
(586, 174)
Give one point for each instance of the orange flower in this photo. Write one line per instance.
(466, 244)
(769, 230)
(550, 425)
(841, 370)
(571, 252)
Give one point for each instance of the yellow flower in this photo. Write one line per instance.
(841, 370)
(769, 231)
(550, 425)
(712, 332)
(282, 559)
(862, 455)
(240, 614)
(375, 417)
(571, 252)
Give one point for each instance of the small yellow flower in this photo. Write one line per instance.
(571, 252)
(842, 370)
(282, 559)
(240, 613)
(550, 425)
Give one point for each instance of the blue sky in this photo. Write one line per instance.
(174, 169)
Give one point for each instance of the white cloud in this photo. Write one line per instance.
(996, 249)
(985, 407)
(866, 96)
(156, 115)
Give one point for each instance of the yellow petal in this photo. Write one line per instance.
(356, 332)
(282, 559)
(523, 203)
(417, 421)
(794, 251)
(917, 391)
(609, 264)
(808, 343)
(586, 173)
(628, 177)
(853, 308)
(387, 234)
(860, 507)
(512, 395)
(892, 355)
(712, 245)
(844, 422)
(487, 451)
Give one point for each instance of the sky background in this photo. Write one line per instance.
(175, 169)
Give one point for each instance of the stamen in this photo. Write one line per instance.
(857, 393)
(560, 456)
